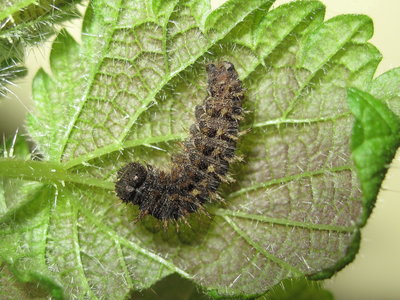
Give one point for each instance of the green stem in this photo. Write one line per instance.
(47, 172)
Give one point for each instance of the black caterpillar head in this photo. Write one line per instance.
(130, 179)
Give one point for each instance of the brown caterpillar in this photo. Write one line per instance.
(199, 169)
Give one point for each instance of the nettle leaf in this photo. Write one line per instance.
(31, 21)
(376, 133)
(299, 289)
(27, 22)
(11, 56)
(12, 288)
(128, 92)
(14, 190)
(375, 140)
(387, 89)
(21, 211)
(174, 287)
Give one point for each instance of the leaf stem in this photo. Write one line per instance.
(47, 172)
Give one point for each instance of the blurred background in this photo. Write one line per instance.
(374, 275)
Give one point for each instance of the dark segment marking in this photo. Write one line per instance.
(197, 171)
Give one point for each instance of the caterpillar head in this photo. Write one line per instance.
(130, 179)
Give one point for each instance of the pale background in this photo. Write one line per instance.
(374, 275)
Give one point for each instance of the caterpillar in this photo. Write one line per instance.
(199, 169)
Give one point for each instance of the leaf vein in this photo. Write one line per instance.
(288, 179)
(260, 249)
(285, 222)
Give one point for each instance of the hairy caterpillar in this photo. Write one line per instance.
(196, 172)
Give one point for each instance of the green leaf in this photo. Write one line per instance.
(11, 288)
(13, 191)
(134, 53)
(16, 146)
(10, 7)
(376, 133)
(30, 21)
(24, 22)
(128, 92)
(387, 89)
(375, 140)
(299, 289)
(172, 287)
(20, 204)
(11, 56)
(28, 224)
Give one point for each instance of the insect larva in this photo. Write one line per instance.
(198, 170)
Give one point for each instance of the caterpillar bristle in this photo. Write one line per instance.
(243, 132)
(236, 158)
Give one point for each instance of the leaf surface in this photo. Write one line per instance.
(128, 92)
(299, 289)
(13, 190)
(27, 22)
(387, 89)
(30, 21)
(375, 140)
